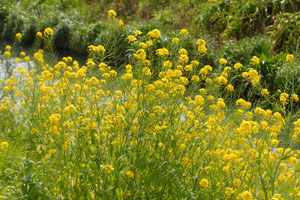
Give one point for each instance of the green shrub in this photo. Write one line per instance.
(242, 51)
(285, 32)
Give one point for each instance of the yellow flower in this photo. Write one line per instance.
(108, 168)
(201, 42)
(7, 47)
(188, 68)
(154, 33)
(121, 22)
(245, 74)
(140, 54)
(289, 58)
(284, 98)
(293, 161)
(19, 36)
(7, 54)
(295, 97)
(237, 65)
(131, 38)
(143, 45)
(254, 60)
(48, 32)
(274, 142)
(184, 32)
(182, 51)
(111, 14)
(130, 174)
(137, 33)
(162, 52)
(149, 43)
(39, 34)
(264, 92)
(175, 40)
(229, 88)
(246, 195)
(4, 145)
(204, 183)
(27, 59)
(183, 58)
(222, 61)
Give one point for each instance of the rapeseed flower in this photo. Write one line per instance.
(162, 52)
(4, 145)
(48, 32)
(289, 58)
(204, 183)
(223, 61)
(111, 14)
(39, 34)
(254, 61)
(154, 33)
(175, 40)
(19, 36)
(184, 32)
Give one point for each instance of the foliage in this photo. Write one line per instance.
(235, 18)
(285, 32)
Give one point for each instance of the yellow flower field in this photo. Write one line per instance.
(170, 130)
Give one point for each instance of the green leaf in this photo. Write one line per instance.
(27, 178)
(288, 189)
(297, 168)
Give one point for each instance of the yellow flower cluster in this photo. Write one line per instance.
(254, 61)
(201, 46)
(252, 75)
(111, 14)
(289, 58)
(19, 36)
(98, 48)
(154, 33)
(102, 127)
(48, 32)
(162, 52)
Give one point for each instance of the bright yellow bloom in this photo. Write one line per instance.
(19, 36)
(154, 33)
(131, 38)
(39, 34)
(4, 145)
(121, 23)
(48, 32)
(284, 98)
(204, 183)
(237, 65)
(130, 174)
(289, 58)
(222, 61)
(7, 47)
(162, 52)
(295, 97)
(254, 60)
(184, 32)
(175, 40)
(137, 33)
(111, 14)
(246, 195)
(7, 54)
(229, 88)
(264, 92)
